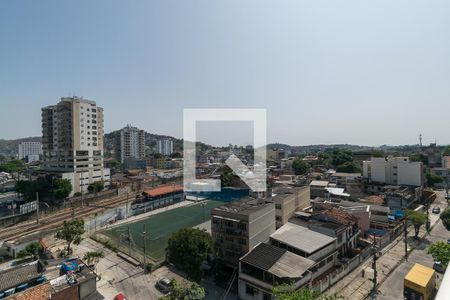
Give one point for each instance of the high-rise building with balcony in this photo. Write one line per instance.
(130, 143)
(164, 147)
(72, 138)
(31, 151)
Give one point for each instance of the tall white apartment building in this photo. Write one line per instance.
(131, 143)
(30, 151)
(394, 170)
(72, 138)
(164, 147)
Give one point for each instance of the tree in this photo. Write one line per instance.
(32, 249)
(187, 249)
(300, 167)
(71, 232)
(440, 251)
(93, 257)
(348, 167)
(432, 179)
(96, 186)
(445, 217)
(378, 153)
(177, 292)
(63, 188)
(287, 292)
(226, 178)
(417, 219)
(115, 164)
(419, 157)
(341, 156)
(446, 151)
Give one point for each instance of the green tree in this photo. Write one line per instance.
(115, 164)
(348, 167)
(417, 219)
(96, 186)
(440, 251)
(71, 232)
(32, 249)
(178, 292)
(226, 178)
(445, 217)
(300, 167)
(187, 249)
(446, 151)
(341, 156)
(433, 179)
(63, 188)
(378, 153)
(93, 257)
(287, 292)
(419, 157)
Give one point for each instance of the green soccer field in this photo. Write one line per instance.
(159, 227)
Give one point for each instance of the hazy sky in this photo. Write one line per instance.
(361, 72)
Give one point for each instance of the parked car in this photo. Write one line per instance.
(163, 284)
(448, 241)
(436, 210)
(120, 297)
(447, 196)
(439, 267)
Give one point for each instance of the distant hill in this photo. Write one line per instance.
(316, 148)
(11, 147)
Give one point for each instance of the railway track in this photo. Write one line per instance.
(53, 221)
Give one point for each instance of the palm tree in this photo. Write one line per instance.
(93, 257)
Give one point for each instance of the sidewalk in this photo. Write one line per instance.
(355, 286)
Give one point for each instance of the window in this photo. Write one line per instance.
(250, 290)
(242, 226)
(267, 296)
(242, 242)
(278, 218)
(277, 206)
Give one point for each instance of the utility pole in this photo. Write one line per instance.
(406, 237)
(144, 234)
(374, 267)
(37, 208)
(129, 240)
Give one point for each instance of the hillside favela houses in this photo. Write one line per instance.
(72, 138)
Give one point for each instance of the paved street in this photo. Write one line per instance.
(357, 286)
(392, 288)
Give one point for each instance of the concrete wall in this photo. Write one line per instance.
(87, 287)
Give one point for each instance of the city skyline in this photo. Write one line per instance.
(347, 73)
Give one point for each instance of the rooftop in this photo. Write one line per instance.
(277, 261)
(13, 277)
(163, 190)
(319, 183)
(245, 206)
(301, 238)
(420, 274)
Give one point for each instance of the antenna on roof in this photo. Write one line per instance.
(420, 141)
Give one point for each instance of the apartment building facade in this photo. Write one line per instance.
(394, 170)
(237, 227)
(164, 147)
(289, 200)
(72, 139)
(130, 143)
(31, 151)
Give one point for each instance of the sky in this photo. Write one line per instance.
(359, 72)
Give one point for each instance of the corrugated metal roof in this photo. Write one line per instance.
(277, 261)
(301, 238)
